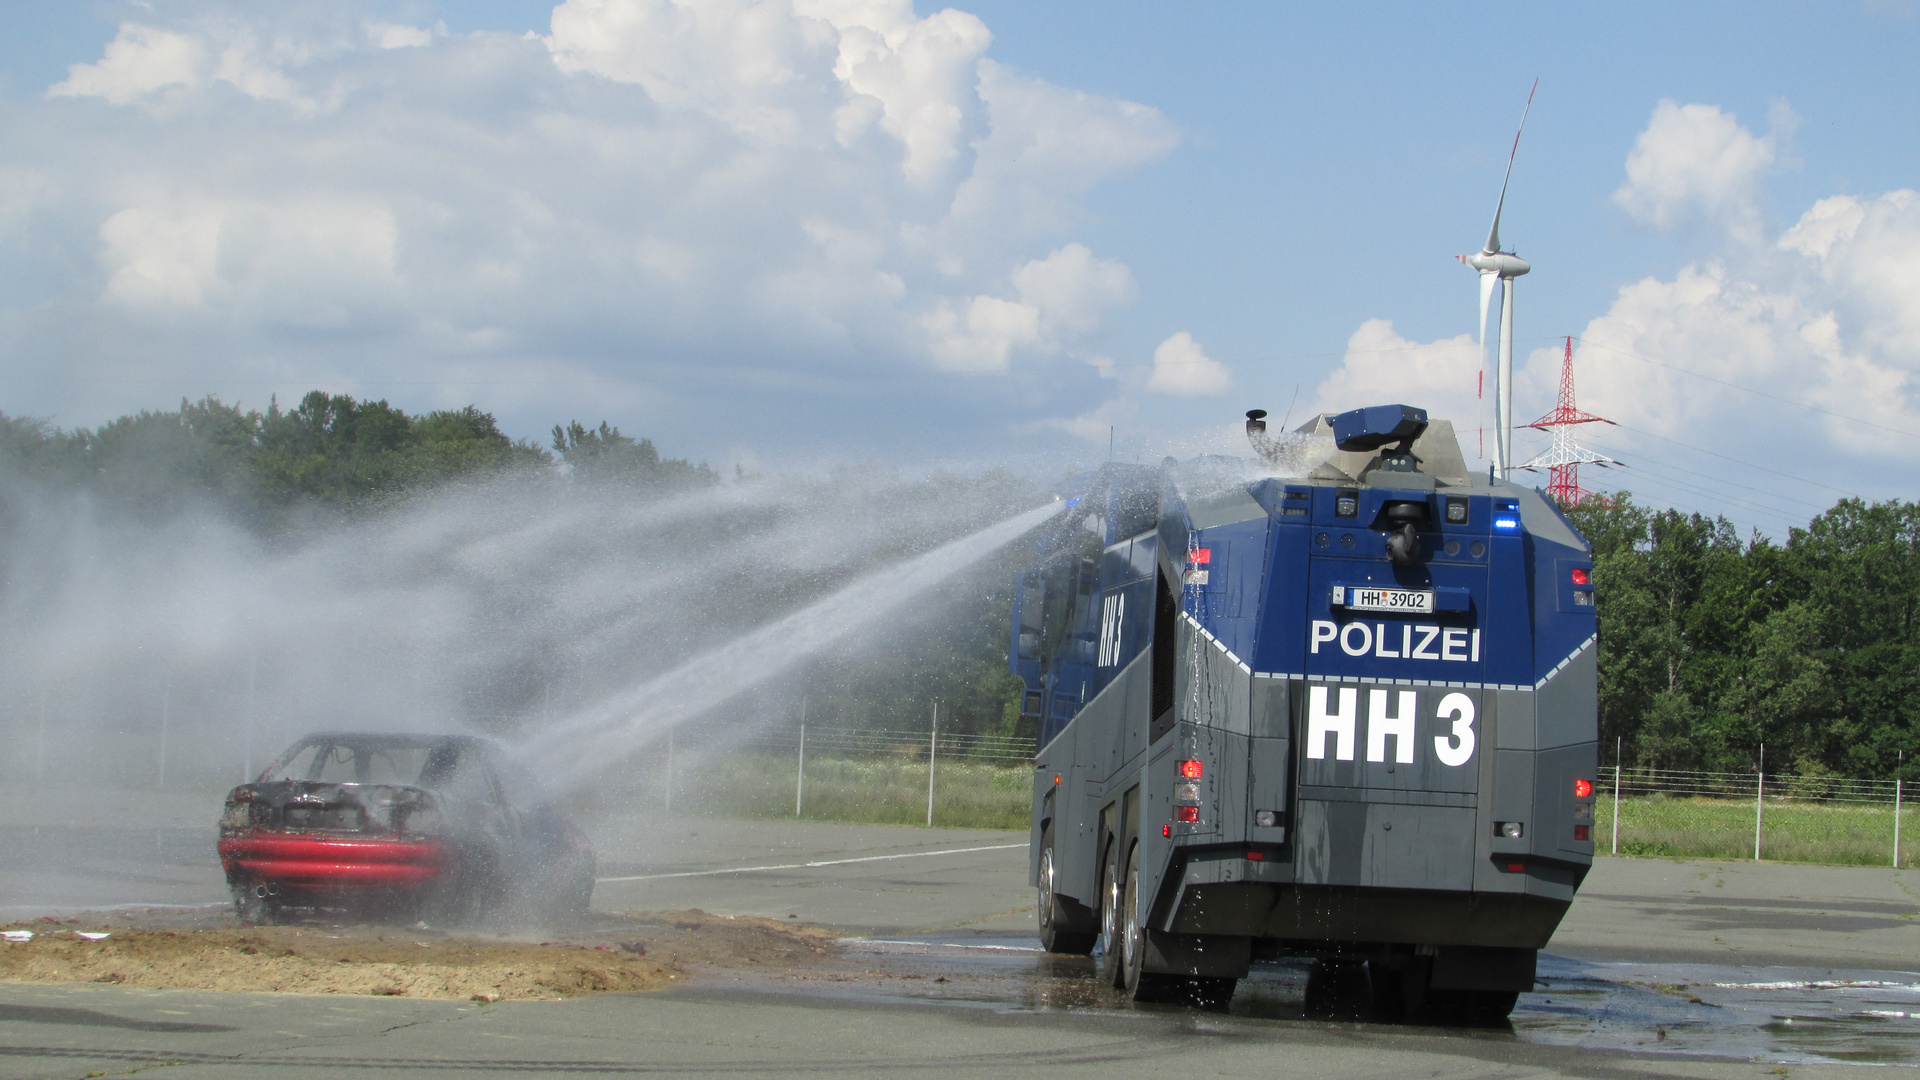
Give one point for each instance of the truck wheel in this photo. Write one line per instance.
(1211, 992)
(1063, 922)
(1489, 1008)
(1399, 988)
(1336, 991)
(1107, 950)
(1139, 985)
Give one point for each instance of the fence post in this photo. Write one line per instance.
(933, 745)
(800, 778)
(1759, 796)
(669, 770)
(1618, 742)
(1896, 808)
(166, 707)
(40, 744)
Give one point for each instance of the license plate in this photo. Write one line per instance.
(1361, 598)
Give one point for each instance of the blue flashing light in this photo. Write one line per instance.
(1505, 523)
(1075, 501)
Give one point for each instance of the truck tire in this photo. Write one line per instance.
(1064, 923)
(1337, 990)
(1139, 984)
(1107, 958)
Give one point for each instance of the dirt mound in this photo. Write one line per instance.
(609, 953)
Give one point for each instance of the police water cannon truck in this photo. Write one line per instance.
(1338, 703)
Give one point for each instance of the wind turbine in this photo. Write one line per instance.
(1501, 267)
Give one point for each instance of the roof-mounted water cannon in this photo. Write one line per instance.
(1377, 426)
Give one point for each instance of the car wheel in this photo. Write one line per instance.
(1060, 930)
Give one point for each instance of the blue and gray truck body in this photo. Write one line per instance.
(1338, 703)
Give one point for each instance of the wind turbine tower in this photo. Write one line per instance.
(1501, 268)
(1565, 456)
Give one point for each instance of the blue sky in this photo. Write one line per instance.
(975, 247)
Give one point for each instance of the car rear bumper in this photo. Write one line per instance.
(333, 864)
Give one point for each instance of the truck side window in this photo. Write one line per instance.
(1166, 612)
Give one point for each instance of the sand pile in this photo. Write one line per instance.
(607, 954)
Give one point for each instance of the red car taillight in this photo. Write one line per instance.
(239, 811)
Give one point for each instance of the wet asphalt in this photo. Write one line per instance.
(1663, 967)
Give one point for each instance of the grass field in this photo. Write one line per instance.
(893, 790)
(882, 790)
(1845, 834)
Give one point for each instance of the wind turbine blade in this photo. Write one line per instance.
(1493, 234)
(1488, 280)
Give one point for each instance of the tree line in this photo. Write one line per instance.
(329, 454)
(1711, 645)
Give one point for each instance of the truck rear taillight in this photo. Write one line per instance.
(1582, 789)
(1580, 576)
(1583, 832)
(1190, 769)
(1189, 814)
(1200, 556)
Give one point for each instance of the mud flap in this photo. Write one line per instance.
(1483, 967)
(1219, 955)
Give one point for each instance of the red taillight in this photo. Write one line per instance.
(1186, 813)
(1200, 556)
(1583, 832)
(1516, 868)
(1256, 856)
(1579, 576)
(1582, 788)
(1056, 779)
(1166, 830)
(1190, 770)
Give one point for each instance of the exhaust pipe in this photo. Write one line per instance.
(266, 891)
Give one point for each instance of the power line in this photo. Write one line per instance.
(1739, 461)
(1746, 389)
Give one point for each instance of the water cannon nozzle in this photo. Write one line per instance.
(1378, 425)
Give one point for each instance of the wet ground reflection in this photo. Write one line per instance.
(1785, 1015)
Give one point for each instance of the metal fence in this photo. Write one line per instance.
(999, 749)
(1826, 819)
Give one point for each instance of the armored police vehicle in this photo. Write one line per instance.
(1335, 703)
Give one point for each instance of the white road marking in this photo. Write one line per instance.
(808, 865)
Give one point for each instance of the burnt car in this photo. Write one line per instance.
(444, 828)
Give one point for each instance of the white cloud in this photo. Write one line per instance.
(139, 60)
(1696, 163)
(1382, 368)
(1181, 367)
(983, 336)
(388, 35)
(1726, 350)
(682, 200)
(160, 258)
(1828, 314)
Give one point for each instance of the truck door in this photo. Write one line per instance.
(1389, 715)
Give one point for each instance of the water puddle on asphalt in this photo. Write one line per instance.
(1774, 1014)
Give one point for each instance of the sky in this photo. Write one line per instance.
(796, 232)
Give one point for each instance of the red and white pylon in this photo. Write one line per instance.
(1565, 456)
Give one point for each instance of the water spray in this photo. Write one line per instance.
(567, 754)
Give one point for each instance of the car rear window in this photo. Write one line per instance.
(342, 763)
